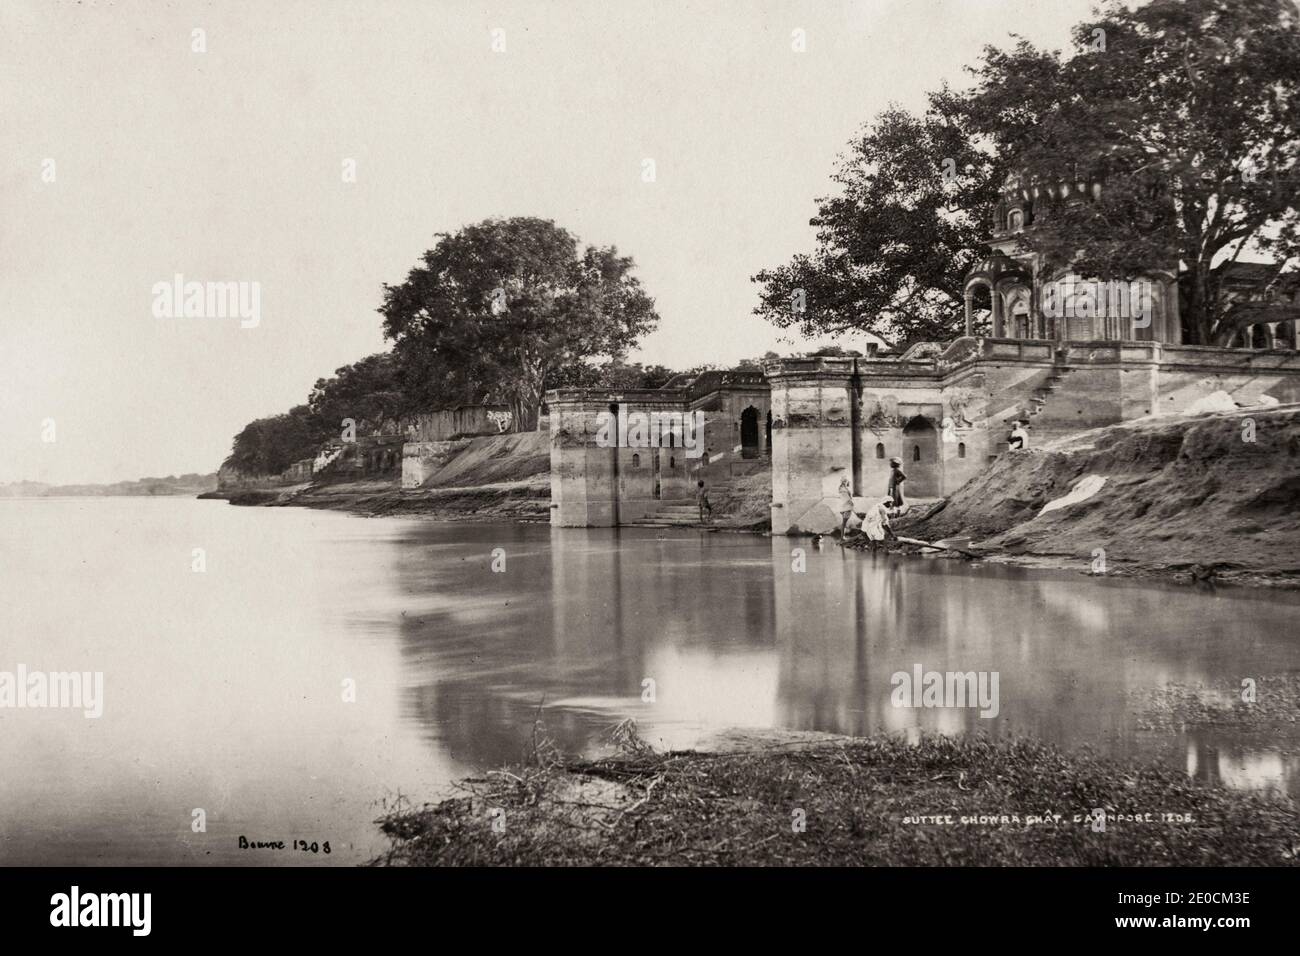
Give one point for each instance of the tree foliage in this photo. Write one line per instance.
(503, 304)
(612, 374)
(895, 241)
(371, 392)
(1188, 111)
(267, 446)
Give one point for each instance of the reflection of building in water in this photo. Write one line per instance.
(1071, 659)
(733, 635)
(850, 622)
(580, 620)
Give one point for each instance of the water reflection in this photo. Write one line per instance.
(737, 631)
(222, 689)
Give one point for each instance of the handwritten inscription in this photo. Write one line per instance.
(306, 846)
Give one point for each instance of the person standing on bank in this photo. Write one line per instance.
(896, 479)
(846, 505)
(702, 499)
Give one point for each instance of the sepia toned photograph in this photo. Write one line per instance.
(860, 435)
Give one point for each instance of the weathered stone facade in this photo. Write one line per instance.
(600, 481)
(431, 438)
(947, 415)
(944, 411)
(1065, 355)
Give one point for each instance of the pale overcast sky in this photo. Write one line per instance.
(227, 165)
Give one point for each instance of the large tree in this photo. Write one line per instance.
(1188, 113)
(613, 374)
(894, 240)
(1187, 110)
(370, 392)
(503, 304)
(267, 446)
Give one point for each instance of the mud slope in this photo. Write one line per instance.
(499, 458)
(1180, 493)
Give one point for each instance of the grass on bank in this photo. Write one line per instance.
(741, 808)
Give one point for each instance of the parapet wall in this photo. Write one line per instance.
(461, 422)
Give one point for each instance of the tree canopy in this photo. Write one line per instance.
(1188, 112)
(267, 446)
(503, 304)
(895, 241)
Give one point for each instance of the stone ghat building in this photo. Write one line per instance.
(946, 412)
(602, 480)
(1065, 355)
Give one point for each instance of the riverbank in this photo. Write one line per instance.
(528, 500)
(494, 478)
(819, 799)
(1198, 499)
(1209, 498)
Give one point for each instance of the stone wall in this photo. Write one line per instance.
(812, 437)
(232, 479)
(464, 421)
(595, 486)
(947, 416)
(420, 459)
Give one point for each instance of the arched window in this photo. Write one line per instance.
(961, 449)
(672, 462)
(916, 453)
(1016, 220)
(636, 461)
(880, 450)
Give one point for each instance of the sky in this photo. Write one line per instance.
(135, 149)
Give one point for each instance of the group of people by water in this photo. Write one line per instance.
(874, 522)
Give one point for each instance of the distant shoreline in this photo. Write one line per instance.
(110, 494)
(169, 487)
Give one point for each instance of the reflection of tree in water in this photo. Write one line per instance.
(577, 617)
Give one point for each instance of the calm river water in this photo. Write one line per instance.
(224, 690)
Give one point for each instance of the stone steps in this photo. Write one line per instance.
(1044, 392)
(672, 515)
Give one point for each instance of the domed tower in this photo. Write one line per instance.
(1008, 273)
(1025, 303)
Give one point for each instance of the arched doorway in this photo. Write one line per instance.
(1021, 324)
(1286, 335)
(749, 433)
(920, 457)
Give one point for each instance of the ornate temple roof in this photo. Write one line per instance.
(997, 266)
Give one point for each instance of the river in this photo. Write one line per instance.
(304, 668)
